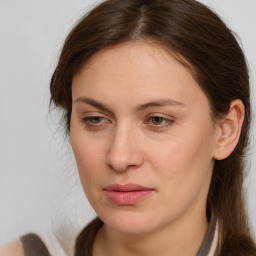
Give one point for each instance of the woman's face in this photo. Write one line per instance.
(143, 138)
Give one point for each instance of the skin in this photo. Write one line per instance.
(12, 249)
(170, 148)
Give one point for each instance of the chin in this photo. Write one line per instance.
(130, 222)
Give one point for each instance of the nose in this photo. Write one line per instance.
(124, 152)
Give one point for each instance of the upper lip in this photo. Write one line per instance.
(127, 187)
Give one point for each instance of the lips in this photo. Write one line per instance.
(128, 194)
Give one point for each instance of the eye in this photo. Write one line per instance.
(159, 121)
(94, 121)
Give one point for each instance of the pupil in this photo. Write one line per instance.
(157, 120)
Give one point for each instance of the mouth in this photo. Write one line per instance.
(128, 194)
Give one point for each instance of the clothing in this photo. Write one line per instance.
(34, 246)
(43, 244)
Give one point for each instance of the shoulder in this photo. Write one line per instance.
(14, 248)
(28, 245)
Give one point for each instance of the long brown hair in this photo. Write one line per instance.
(203, 43)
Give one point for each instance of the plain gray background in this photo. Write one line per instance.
(39, 187)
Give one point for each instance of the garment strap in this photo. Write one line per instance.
(33, 245)
(208, 239)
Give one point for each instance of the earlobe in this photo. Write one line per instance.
(229, 130)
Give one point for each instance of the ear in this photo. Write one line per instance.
(228, 130)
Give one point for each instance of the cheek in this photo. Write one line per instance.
(91, 169)
(184, 162)
(89, 157)
(184, 175)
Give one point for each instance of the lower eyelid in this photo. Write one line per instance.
(166, 123)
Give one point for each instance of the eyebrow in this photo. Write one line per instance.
(155, 103)
(93, 103)
(159, 103)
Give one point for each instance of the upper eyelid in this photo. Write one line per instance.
(91, 117)
(95, 114)
(148, 116)
(165, 116)
(100, 114)
(168, 120)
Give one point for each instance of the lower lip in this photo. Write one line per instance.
(127, 197)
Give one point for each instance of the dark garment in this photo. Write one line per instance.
(206, 245)
(34, 246)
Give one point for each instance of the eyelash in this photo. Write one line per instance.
(88, 121)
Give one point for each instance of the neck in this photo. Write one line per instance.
(184, 237)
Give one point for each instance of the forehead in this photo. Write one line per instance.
(136, 70)
(134, 54)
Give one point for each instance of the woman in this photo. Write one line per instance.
(156, 103)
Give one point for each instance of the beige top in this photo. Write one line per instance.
(50, 246)
(214, 241)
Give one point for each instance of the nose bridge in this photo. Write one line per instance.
(123, 151)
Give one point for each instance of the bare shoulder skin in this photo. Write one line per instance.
(12, 249)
